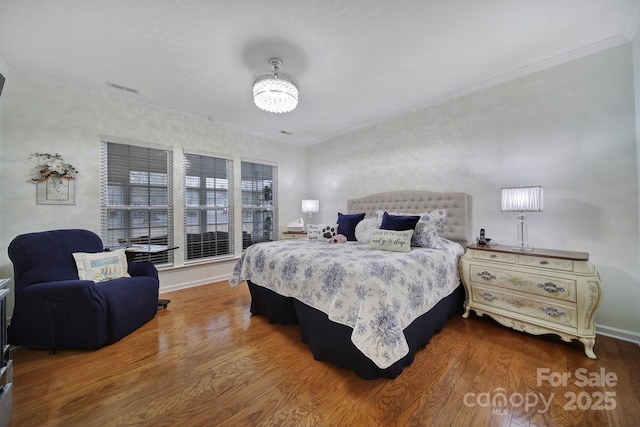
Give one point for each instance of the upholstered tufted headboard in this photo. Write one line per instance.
(458, 205)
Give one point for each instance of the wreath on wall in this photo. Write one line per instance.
(51, 166)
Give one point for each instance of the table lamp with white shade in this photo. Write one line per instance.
(310, 207)
(522, 199)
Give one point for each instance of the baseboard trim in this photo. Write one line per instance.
(620, 334)
(195, 283)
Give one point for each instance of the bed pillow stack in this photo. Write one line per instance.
(427, 228)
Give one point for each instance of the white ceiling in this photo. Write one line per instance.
(358, 61)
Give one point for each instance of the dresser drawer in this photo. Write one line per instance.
(496, 256)
(547, 263)
(554, 287)
(293, 235)
(552, 312)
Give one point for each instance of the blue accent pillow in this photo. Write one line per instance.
(399, 222)
(347, 224)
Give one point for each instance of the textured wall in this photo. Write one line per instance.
(43, 117)
(570, 128)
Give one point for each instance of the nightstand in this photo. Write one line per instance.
(540, 292)
(294, 235)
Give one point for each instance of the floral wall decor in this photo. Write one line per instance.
(55, 179)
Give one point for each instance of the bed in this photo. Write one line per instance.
(360, 308)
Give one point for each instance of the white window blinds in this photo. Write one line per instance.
(136, 198)
(208, 201)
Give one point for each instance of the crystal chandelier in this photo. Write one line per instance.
(275, 92)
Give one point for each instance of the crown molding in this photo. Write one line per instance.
(634, 24)
(533, 68)
(490, 82)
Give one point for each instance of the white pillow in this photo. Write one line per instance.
(101, 266)
(321, 231)
(391, 240)
(364, 229)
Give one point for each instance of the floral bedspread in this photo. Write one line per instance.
(377, 293)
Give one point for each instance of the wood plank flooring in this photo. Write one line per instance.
(205, 361)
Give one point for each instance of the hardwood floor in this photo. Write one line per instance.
(206, 361)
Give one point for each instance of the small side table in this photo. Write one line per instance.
(288, 235)
(132, 251)
(150, 250)
(541, 291)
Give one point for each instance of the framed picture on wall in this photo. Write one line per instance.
(56, 191)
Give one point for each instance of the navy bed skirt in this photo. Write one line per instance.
(331, 342)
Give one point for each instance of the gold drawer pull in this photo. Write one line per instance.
(551, 287)
(552, 311)
(486, 275)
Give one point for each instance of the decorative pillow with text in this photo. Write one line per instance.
(391, 240)
(321, 231)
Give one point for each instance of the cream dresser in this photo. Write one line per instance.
(540, 292)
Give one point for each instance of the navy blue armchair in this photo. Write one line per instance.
(54, 309)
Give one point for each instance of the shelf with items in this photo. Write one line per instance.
(259, 211)
(258, 222)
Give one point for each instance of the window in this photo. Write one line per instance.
(136, 202)
(208, 201)
(259, 202)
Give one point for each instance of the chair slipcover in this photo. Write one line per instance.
(55, 309)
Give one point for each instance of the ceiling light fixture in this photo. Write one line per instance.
(275, 92)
